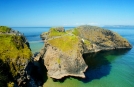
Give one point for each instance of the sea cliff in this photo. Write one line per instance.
(15, 55)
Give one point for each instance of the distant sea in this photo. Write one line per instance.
(106, 69)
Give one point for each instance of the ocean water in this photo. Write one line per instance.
(106, 69)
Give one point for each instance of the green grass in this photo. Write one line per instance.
(58, 60)
(11, 48)
(75, 31)
(87, 42)
(65, 43)
(4, 29)
(53, 32)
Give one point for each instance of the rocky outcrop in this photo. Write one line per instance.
(63, 50)
(62, 62)
(15, 56)
(63, 54)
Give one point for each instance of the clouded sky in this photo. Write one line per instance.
(66, 12)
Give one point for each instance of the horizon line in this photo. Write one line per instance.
(72, 26)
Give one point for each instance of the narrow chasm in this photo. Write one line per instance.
(37, 73)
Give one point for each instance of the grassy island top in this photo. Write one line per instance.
(63, 40)
(56, 32)
(65, 43)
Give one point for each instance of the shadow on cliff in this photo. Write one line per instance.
(38, 73)
(99, 64)
(5, 74)
(42, 69)
(44, 72)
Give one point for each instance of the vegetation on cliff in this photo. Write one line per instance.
(4, 29)
(14, 53)
(13, 46)
(55, 32)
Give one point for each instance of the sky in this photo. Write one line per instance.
(40, 13)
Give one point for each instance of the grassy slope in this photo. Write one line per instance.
(53, 32)
(4, 29)
(12, 47)
(65, 43)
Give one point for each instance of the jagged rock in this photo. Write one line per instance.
(44, 35)
(39, 55)
(63, 50)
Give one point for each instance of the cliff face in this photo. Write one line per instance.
(63, 57)
(63, 50)
(15, 55)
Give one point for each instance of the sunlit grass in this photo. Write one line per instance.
(4, 29)
(53, 32)
(12, 48)
(65, 43)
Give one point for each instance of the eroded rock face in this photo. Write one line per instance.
(63, 50)
(60, 64)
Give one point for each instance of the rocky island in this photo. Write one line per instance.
(63, 50)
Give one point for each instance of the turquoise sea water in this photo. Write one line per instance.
(106, 69)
